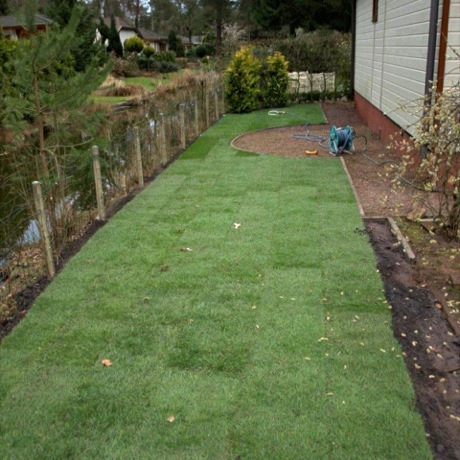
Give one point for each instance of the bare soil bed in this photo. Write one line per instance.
(424, 296)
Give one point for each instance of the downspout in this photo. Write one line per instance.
(431, 57)
(443, 45)
(430, 62)
(353, 48)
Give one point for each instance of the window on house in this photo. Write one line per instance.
(375, 10)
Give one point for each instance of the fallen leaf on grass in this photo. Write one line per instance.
(185, 249)
(106, 362)
(329, 394)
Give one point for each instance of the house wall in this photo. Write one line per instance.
(391, 60)
(10, 34)
(125, 34)
(391, 55)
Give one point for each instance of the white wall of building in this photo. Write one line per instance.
(391, 54)
(125, 34)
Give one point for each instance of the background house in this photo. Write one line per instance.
(158, 41)
(191, 42)
(124, 28)
(401, 46)
(127, 30)
(14, 27)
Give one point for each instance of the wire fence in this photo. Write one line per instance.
(41, 219)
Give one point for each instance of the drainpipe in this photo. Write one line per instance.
(443, 45)
(353, 48)
(430, 62)
(431, 57)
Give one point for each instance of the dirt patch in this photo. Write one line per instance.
(421, 294)
(431, 349)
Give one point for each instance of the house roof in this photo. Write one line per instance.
(196, 39)
(152, 36)
(13, 21)
(120, 23)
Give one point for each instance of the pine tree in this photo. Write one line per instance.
(172, 41)
(115, 45)
(3, 7)
(60, 11)
(46, 85)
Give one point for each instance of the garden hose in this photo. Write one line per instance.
(308, 135)
(341, 140)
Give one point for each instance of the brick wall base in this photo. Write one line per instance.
(378, 122)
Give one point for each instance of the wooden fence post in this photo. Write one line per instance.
(197, 117)
(222, 109)
(122, 183)
(162, 139)
(137, 144)
(183, 133)
(216, 104)
(206, 105)
(42, 224)
(98, 183)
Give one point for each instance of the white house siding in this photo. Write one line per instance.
(391, 55)
(125, 34)
(452, 60)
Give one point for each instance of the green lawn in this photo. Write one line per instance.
(267, 341)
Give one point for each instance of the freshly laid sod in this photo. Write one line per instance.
(269, 339)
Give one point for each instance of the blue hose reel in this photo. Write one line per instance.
(341, 140)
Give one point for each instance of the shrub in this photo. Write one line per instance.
(180, 50)
(166, 67)
(275, 81)
(190, 53)
(182, 62)
(148, 51)
(201, 51)
(242, 82)
(134, 44)
(126, 67)
(166, 56)
(146, 63)
(320, 51)
(438, 137)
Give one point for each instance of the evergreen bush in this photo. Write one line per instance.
(166, 56)
(148, 51)
(166, 67)
(146, 63)
(275, 81)
(134, 44)
(242, 80)
(201, 51)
